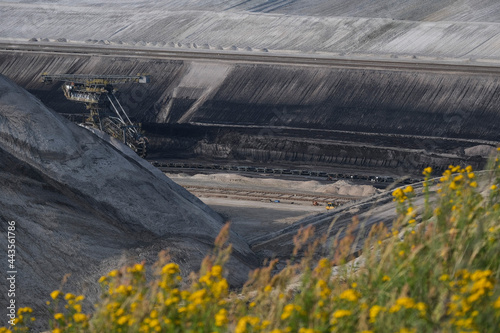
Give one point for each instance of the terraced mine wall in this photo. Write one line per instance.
(312, 114)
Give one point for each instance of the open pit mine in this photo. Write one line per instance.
(261, 113)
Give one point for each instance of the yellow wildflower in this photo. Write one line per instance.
(406, 330)
(154, 323)
(350, 295)
(410, 211)
(79, 317)
(221, 318)
(172, 300)
(386, 278)
(122, 320)
(427, 171)
(20, 311)
(137, 268)
(241, 327)
(341, 313)
(374, 311)
(69, 296)
(407, 302)
(306, 330)
(170, 269)
(58, 316)
(496, 305)
(220, 288)
(55, 294)
(399, 195)
(216, 271)
(408, 189)
(444, 277)
(422, 307)
(288, 310)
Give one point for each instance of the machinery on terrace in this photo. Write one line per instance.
(105, 111)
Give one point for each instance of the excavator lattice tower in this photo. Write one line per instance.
(105, 111)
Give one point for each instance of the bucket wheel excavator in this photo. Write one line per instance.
(105, 111)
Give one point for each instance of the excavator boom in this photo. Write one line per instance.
(94, 79)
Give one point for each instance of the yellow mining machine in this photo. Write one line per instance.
(105, 111)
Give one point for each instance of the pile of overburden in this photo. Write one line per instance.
(84, 204)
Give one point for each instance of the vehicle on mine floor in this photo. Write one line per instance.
(329, 206)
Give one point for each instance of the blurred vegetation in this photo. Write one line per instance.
(436, 270)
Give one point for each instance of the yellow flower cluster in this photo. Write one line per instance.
(456, 177)
(374, 311)
(72, 316)
(401, 195)
(470, 291)
(350, 295)
(127, 298)
(22, 321)
(408, 303)
(250, 323)
(407, 283)
(289, 310)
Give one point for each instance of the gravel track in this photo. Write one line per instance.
(278, 58)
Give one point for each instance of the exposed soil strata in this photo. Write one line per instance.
(320, 149)
(379, 101)
(393, 110)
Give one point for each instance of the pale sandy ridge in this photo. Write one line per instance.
(220, 25)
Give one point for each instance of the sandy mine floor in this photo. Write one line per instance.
(253, 218)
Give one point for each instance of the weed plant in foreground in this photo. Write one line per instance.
(436, 270)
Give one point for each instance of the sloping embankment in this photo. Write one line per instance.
(374, 101)
(83, 206)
